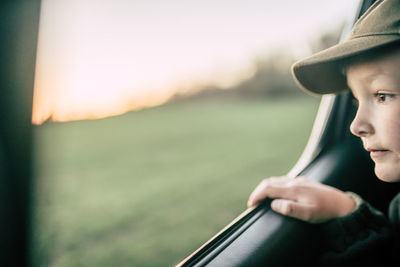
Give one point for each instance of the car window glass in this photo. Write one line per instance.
(154, 120)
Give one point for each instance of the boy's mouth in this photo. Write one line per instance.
(377, 153)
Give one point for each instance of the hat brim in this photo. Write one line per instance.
(322, 72)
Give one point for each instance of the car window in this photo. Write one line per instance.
(155, 120)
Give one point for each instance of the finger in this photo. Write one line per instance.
(271, 188)
(253, 198)
(294, 209)
(263, 190)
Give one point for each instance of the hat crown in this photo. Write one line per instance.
(378, 28)
(379, 21)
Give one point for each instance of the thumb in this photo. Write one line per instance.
(292, 209)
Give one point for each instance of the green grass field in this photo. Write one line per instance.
(149, 187)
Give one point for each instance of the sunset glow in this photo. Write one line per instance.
(102, 58)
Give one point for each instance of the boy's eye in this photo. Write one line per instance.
(383, 97)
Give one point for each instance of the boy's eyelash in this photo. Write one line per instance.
(383, 97)
(380, 97)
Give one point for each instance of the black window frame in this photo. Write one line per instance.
(19, 22)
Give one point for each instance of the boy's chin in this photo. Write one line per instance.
(390, 174)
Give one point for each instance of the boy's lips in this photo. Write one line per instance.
(377, 153)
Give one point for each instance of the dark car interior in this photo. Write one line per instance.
(258, 237)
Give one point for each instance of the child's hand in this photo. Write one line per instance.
(303, 199)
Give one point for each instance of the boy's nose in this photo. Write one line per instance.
(361, 125)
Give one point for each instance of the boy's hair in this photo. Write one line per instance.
(377, 30)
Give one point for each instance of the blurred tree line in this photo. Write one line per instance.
(272, 76)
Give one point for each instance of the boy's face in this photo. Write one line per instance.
(376, 86)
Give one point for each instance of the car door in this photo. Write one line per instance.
(333, 156)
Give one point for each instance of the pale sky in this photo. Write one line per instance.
(98, 58)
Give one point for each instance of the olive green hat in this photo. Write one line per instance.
(322, 72)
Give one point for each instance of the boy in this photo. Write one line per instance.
(368, 64)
